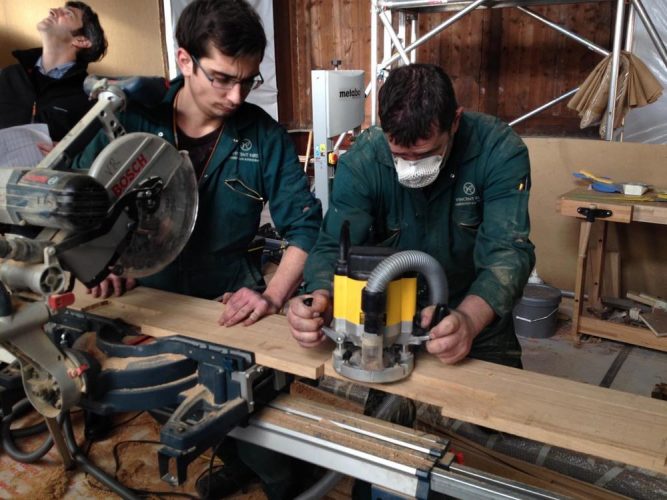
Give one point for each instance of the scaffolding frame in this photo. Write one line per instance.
(381, 11)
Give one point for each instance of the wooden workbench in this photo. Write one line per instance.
(619, 210)
(589, 419)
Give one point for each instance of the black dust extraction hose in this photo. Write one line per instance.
(8, 435)
(88, 466)
(31, 430)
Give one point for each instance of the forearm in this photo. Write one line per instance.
(478, 311)
(287, 277)
(503, 253)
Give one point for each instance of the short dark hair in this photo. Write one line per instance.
(92, 30)
(232, 26)
(413, 99)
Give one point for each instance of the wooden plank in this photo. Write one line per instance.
(656, 321)
(619, 212)
(585, 418)
(491, 56)
(161, 314)
(327, 426)
(370, 425)
(655, 213)
(647, 299)
(597, 269)
(283, 43)
(603, 422)
(306, 391)
(624, 208)
(622, 333)
(580, 282)
(612, 281)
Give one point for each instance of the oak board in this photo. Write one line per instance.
(603, 422)
(161, 314)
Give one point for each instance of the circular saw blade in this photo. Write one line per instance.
(132, 161)
(162, 234)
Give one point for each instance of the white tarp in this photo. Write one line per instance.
(267, 95)
(649, 124)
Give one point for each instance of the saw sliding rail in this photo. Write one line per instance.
(391, 457)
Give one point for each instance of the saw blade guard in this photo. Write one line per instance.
(164, 223)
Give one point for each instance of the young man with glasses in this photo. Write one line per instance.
(452, 184)
(46, 86)
(242, 158)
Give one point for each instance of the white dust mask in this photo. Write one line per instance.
(418, 173)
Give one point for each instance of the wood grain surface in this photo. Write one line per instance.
(603, 422)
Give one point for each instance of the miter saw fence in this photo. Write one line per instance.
(376, 324)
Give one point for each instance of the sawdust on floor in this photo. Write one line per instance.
(52, 483)
(138, 466)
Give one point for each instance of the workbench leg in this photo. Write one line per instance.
(580, 282)
(613, 280)
(598, 267)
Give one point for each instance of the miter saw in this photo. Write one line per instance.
(131, 214)
(376, 326)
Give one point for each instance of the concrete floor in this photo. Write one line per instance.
(592, 361)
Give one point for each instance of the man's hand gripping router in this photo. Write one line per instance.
(307, 315)
(451, 339)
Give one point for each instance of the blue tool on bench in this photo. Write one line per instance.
(601, 184)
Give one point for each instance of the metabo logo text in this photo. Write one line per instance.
(349, 93)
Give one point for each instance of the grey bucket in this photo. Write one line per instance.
(535, 314)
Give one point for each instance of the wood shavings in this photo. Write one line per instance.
(52, 483)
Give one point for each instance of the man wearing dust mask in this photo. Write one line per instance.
(450, 183)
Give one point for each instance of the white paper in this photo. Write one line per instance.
(18, 145)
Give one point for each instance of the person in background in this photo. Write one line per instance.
(46, 86)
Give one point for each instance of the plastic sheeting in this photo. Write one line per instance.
(649, 124)
(265, 96)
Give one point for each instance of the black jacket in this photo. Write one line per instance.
(58, 103)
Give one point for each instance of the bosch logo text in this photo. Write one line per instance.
(129, 175)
